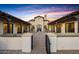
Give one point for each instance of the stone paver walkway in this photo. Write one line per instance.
(39, 43)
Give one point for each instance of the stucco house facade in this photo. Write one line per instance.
(39, 23)
(66, 24)
(63, 33)
(12, 25)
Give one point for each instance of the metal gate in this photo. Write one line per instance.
(47, 45)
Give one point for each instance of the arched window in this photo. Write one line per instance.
(7, 26)
(69, 27)
(19, 28)
(58, 28)
(39, 27)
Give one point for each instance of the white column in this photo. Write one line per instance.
(28, 28)
(35, 26)
(76, 26)
(14, 28)
(1, 27)
(42, 28)
(63, 28)
(55, 29)
(22, 28)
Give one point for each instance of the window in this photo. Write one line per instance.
(11, 28)
(58, 28)
(7, 28)
(19, 28)
(69, 27)
(53, 28)
(50, 27)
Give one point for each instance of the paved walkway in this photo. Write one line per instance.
(39, 43)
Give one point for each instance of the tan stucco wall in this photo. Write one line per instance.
(40, 21)
(32, 22)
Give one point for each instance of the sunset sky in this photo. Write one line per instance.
(29, 11)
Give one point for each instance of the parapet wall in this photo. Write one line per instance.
(16, 43)
(64, 41)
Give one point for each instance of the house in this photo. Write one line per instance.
(39, 23)
(66, 24)
(12, 25)
(64, 33)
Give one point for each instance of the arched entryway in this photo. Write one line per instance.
(39, 28)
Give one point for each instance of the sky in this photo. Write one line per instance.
(27, 12)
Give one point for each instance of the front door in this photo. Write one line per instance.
(39, 28)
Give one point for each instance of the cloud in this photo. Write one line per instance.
(58, 14)
(40, 7)
(37, 9)
(54, 15)
(28, 12)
